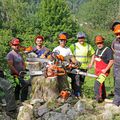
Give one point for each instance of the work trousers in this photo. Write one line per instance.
(99, 90)
(116, 99)
(77, 82)
(21, 90)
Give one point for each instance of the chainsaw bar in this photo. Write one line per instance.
(33, 73)
(42, 60)
(76, 71)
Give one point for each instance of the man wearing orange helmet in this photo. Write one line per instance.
(64, 51)
(116, 48)
(16, 65)
(103, 61)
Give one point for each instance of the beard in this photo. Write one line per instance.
(118, 39)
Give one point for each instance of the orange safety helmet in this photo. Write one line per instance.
(99, 39)
(39, 37)
(15, 41)
(62, 37)
(117, 29)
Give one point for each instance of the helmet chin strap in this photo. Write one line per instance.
(118, 39)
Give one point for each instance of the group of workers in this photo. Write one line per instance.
(81, 52)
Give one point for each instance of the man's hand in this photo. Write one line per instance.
(89, 66)
(42, 56)
(104, 71)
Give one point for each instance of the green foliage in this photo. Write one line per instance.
(54, 16)
(27, 18)
(5, 36)
(99, 13)
(16, 15)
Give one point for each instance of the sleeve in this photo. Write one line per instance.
(72, 48)
(48, 52)
(91, 51)
(109, 54)
(70, 52)
(9, 57)
(112, 46)
(56, 50)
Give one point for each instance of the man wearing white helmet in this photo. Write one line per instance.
(82, 51)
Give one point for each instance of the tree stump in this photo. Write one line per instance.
(44, 88)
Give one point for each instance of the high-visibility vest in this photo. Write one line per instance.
(82, 53)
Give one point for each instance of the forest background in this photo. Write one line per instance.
(27, 18)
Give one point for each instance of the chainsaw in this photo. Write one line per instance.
(49, 67)
(76, 71)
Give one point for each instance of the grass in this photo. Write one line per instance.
(89, 84)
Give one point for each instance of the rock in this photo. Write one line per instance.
(55, 116)
(113, 108)
(34, 101)
(79, 106)
(35, 109)
(72, 113)
(25, 112)
(107, 115)
(42, 110)
(64, 108)
(87, 117)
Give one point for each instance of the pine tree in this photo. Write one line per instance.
(54, 16)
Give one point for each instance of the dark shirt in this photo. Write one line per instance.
(116, 47)
(42, 51)
(107, 54)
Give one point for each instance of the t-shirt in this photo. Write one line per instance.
(42, 51)
(116, 46)
(17, 60)
(82, 53)
(64, 51)
(107, 54)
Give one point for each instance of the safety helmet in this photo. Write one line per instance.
(81, 35)
(99, 39)
(15, 41)
(116, 22)
(117, 29)
(39, 37)
(65, 33)
(62, 37)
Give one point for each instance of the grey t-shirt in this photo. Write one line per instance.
(17, 60)
(116, 47)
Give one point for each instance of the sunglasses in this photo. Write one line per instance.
(62, 40)
(99, 43)
(117, 34)
(81, 37)
(15, 44)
